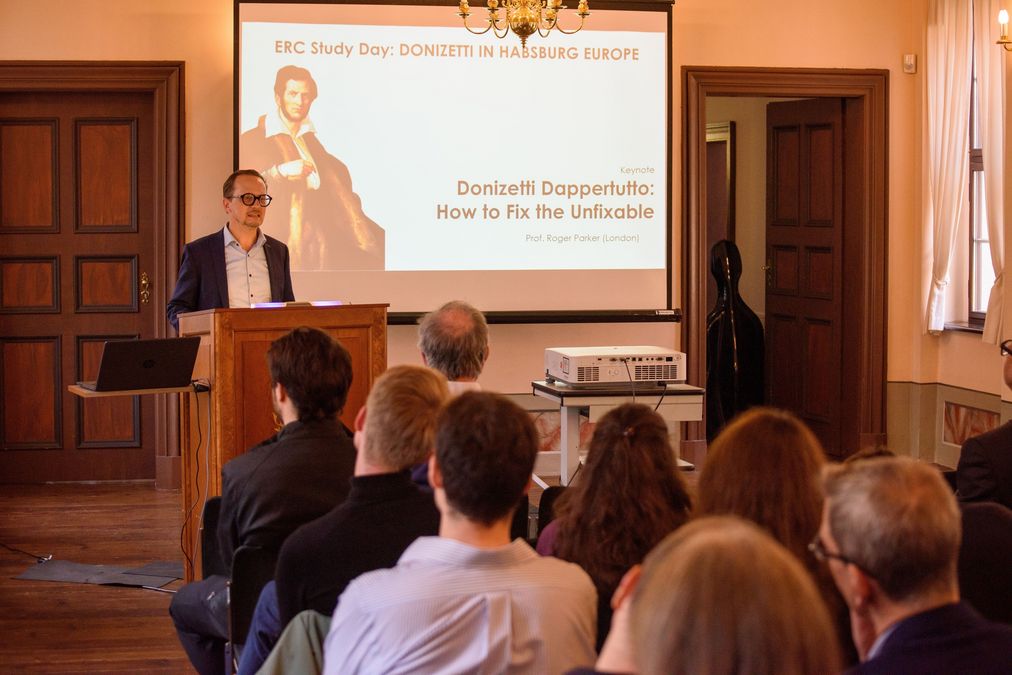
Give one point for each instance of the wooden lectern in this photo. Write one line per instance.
(236, 414)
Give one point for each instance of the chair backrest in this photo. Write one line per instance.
(521, 524)
(546, 507)
(252, 568)
(210, 553)
(985, 576)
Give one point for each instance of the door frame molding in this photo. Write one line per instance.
(163, 80)
(872, 86)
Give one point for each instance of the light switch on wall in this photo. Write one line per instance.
(910, 63)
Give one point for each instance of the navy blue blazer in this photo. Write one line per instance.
(985, 467)
(202, 283)
(950, 639)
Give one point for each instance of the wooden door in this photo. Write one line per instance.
(77, 264)
(804, 249)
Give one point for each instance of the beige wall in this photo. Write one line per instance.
(774, 33)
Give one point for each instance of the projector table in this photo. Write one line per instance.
(678, 403)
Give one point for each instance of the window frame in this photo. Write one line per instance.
(976, 165)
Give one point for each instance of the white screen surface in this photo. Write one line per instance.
(515, 180)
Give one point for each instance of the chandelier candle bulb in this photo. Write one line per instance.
(524, 18)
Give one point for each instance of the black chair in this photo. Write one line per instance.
(950, 477)
(252, 568)
(546, 507)
(521, 525)
(210, 553)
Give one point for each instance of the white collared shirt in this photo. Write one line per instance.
(249, 280)
(448, 607)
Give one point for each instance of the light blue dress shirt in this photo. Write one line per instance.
(448, 607)
(249, 279)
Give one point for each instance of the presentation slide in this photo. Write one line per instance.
(412, 162)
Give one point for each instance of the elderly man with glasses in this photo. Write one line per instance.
(890, 535)
(239, 265)
(984, 473)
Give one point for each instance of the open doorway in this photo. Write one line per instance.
(858, 365)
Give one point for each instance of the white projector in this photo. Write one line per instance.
(587, 366)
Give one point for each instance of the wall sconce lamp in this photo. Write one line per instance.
(1003, 24)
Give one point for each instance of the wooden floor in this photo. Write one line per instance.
(50, 627)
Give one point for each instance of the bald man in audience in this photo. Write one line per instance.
(890, 534)
(383, 514)
(454, 341)
(469, 600)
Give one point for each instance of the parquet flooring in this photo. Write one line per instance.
(51, 627)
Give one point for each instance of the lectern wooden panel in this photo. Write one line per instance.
(236, 413)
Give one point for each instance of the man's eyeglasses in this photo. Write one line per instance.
(1006, 348)
(818, 549)
(248, 198)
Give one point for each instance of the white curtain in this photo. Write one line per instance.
(948, 107)
(990, 61)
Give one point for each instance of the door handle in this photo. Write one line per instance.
(145, 288)
(768, 269)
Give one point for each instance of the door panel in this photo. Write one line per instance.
(804, 234)
(28, 164)
(76, 232)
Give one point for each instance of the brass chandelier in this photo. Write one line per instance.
(524, 17)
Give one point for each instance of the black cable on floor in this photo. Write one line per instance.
(38, 558)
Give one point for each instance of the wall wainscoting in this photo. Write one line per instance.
(930, 421)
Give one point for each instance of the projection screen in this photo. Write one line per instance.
(411, 162)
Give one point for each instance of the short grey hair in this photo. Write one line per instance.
(454, 340)
(897, 520)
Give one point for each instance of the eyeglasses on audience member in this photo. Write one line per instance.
(822, 554)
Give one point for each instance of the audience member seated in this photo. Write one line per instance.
(765, 467)
(288, 480)
(384, 511)
(627, 497)
(985, 560)
(453, 340)
(721, 597)
(890, 534)
(984, 472)
(469, 600)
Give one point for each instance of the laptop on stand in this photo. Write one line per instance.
(162, 363)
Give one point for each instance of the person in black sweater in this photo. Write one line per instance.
(288, 480)
(384, 513)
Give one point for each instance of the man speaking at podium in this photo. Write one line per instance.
(238, 265)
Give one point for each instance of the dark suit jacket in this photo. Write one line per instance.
(949, 639)
(985, 560)
(202, 283)
(288, 480)
(985, 468)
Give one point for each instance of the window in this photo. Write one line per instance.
(981, 270)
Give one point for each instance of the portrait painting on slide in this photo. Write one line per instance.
(315, 210)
